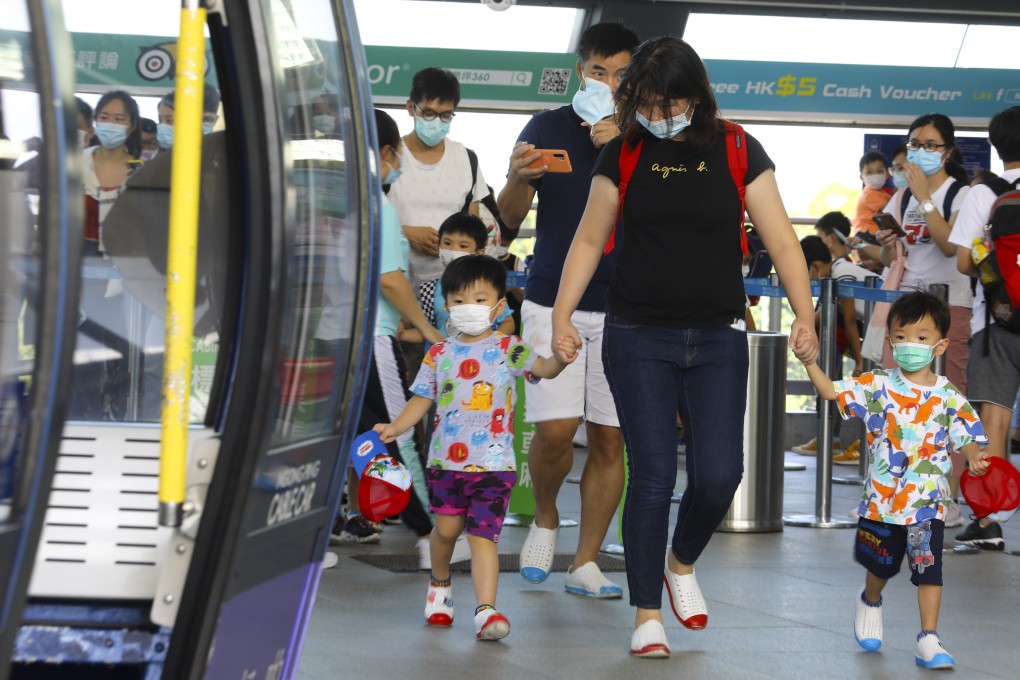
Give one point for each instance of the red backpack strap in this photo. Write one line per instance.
(736, 156)
(628, 162)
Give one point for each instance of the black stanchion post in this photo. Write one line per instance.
(822, 518)
(941, 291)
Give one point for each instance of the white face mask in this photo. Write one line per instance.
(471, 319)
(875, 181)
(448, 256)
(594, 102)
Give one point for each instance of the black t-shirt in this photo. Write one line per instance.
(679, 261)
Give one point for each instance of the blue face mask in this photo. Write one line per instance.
(393, 175)
(928, 161)
(207, 127)
(165, 135)
(898, 180)
(431, 132)
(594, 102)
(111, 135)
(667, 127)
(324, 123)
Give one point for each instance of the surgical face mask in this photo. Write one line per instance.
(912, 356)
(148, 154)
(875, 181)
(594, 102)
(471, 319)
(165, 135)
(898, 180)
(448, 256)
(393, 175)
(81, 140)
(928, 161)
(667, 127)
(325, 123)
(111, 135)
(431, 132)
(207, 127)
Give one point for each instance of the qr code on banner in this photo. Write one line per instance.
(554, 81)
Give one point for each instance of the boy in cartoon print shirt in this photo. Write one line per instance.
(471, 470)
(913, 418)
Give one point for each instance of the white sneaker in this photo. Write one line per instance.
(588, 580)
(686, 599)
(439, 605)
(931, 653)
(649, 641)
(868, 625)
(491, 625)
(537, 553)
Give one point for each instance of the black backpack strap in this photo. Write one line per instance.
(473, 160)
(904, 202)
(947, 202)
(999, 185)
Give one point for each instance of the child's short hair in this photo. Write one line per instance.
(468, 225)
(834, 221)
(914, 306)
(464, 271)
(871, 157)
(815, 250)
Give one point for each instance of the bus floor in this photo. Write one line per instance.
(781, 605)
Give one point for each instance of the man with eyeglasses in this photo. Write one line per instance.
(435, 173)
(581, 128)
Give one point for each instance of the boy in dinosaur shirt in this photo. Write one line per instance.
(913, 417)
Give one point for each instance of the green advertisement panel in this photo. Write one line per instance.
(522, 498)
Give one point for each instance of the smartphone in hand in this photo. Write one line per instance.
(887, 221)
(557, 159)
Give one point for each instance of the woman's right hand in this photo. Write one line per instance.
(425, 240)
(886, 237)
(565, 336)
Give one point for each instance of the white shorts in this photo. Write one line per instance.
(581, 389)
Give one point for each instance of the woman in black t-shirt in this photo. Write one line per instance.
(672, 338)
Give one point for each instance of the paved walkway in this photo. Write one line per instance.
(780, 606)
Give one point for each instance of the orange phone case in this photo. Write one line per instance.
(557, 159)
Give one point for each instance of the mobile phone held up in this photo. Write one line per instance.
(887, 221)
(556, 159)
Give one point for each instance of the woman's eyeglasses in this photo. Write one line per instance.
(914, 145)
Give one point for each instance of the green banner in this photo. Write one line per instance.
(522, 498)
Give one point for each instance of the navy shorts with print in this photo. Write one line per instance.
(880, 547)
(482, 497)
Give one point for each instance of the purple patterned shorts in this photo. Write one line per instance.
(482, 497)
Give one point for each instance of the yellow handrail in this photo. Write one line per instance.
(180, 274)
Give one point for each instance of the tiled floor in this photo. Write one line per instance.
(780, 606)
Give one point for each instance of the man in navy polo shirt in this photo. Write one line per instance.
(555, 406)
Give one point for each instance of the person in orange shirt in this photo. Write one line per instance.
(874, 174)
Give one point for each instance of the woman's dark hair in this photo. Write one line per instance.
(464, 271)
(664, 71)
(944, 126)
(386, 130)
(84, 110)
(134, 138)
(435, 83)
(914, 306)
(981, 176)
(465, 224)
(901, 149)
(606, 40)
(1004, 134)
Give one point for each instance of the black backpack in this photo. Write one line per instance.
(506, 234)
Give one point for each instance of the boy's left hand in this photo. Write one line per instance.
(978, 463)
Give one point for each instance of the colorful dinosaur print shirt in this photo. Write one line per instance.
(474, 386)
(911, 429)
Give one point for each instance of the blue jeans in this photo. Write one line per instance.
(654, 372)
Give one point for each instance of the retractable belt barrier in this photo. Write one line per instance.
(828, 290)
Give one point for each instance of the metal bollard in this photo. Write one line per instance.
(941, 291)
(758, 502)
(775, 307)
(822, 518)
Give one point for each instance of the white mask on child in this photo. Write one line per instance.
(875, 180)
(448, 256)
(471, 319)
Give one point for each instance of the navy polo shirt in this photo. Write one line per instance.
(561, 201)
